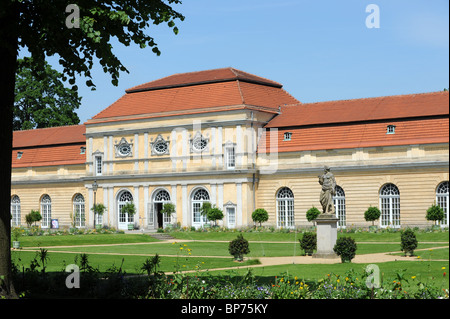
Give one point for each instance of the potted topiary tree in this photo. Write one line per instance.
(238, 248)
(129, 209)
(371, 215)
(312, 214)
(16, 233)
(436, 214)
(260, 216)
(98, 210)
(168, 209)
(308, 243)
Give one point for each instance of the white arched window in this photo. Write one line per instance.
(339, 204)
(46, 211)
(199, 197)
(442, 199)
(285, 208)
(15, 211)
(79, 216)
(390, 206)
(124, 198)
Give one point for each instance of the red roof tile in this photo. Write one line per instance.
(49, 146)
(368, 109)
(368, 134)
(204, 90)
(49, 136)
(48, 156)
(203, 77)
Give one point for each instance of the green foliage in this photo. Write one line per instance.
(41, 99)
(260, 215)
(312, 213)
(129, 209)
(372, 214)
(99, 209)
(168, 208)
(435, 213)
(308, 242)
(213, 213)
(33, 217)
(345, 247)
(239, 247)
(408, 241)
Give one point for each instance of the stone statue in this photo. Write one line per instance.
(328, 190)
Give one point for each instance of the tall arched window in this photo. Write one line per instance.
(198, 198)
(160, 198)
(339, 204)
(390, 206)
(79, 217)
(46, 211)
(15, 210)
(442, 199)
(285, 208)
(124, 198)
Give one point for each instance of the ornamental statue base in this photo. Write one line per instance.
(326, 236)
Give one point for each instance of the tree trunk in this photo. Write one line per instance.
(8, 63)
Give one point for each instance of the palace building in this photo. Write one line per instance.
(240, 142)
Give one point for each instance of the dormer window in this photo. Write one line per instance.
(287, 136)
(390, 129)
(19, 155)
(82, 150)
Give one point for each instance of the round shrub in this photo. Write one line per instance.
(408, 241)
(435, 213)
(239, 247)
(312, 213)
(308, 243)
(372, 214)
(260, 216)
(345, 247)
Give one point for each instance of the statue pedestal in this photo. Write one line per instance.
(326, 236)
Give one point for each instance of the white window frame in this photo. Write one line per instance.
(98, 164)
(15, 211)
(339, 204)
(79, 206)
(285, 208)
(230, 157)
(198, 220)
(46, 211)
(124, 219)
(390, 206)
(442, 199)
(161, 195)
(287, 136)
(390, 129)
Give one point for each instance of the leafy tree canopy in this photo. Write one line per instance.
(41, 99)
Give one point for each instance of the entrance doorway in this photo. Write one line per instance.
(159, 216)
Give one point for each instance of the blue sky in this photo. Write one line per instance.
(318, 49)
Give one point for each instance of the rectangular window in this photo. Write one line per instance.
(98, 165)
(390, 129)
(287, 136)
(231, 216)
(230, 157)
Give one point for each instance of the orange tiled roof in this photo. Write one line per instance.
(368, 109)
(205, 90)
(49, 146)
(49, 136)
(363, 134)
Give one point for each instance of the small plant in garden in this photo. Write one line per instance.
(435, 213)
(260, 216)
(33, 217)
(239, 247)
(345, 247)
(308, 242)
(408, 241)
(372, 214)
(211, 212)
(312, 213)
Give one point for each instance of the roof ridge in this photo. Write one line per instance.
(375, 97)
